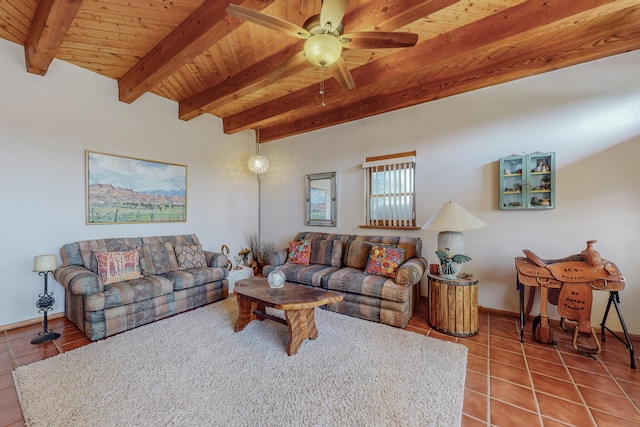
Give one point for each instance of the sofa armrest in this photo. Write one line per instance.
(411, 271)
(217, 259)
(78, 280)
(277, 257)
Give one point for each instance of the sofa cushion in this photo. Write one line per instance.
(384, 260)
(326, 252)
(356, 281)
(118, 266)
(299, 252)
(127, 292)
(184, 279)
(312, 274)
(158, 259)
(190, 256)
(358, 254)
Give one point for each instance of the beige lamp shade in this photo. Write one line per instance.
(453, 217)
(43, 263)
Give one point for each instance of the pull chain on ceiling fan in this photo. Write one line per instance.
(324, 40)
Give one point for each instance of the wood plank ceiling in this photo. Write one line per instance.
(194, 53)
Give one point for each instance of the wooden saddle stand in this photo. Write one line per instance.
(568, 283)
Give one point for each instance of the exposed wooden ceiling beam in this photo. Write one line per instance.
(206, 25)
(560, 54)
(49, 27)
(376, 15)
(491, 30)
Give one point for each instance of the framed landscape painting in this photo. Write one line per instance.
(126, 190)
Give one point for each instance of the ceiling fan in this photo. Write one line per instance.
(324, 39)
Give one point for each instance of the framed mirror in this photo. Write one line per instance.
(321, 200)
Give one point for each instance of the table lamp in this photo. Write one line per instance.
(450, 220)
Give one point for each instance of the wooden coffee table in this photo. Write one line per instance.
(298, 302)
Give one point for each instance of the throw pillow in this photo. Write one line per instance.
(384, 260)
(358, 254)
(190, 256)
(158, 259)
(118, 266)
(299, 252)
(326, 252)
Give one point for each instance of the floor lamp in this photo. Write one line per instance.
(43, 265)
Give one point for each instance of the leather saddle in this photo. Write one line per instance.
(568, 283)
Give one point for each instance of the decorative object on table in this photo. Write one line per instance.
(447, 263)
(276, 279)
(245, 253)
(527, 181)
(226, 251)
(450, 220)
(128, 190)
(260, 251)
(43, 265)
(238, 259)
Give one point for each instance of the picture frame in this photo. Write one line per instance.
(129, 190)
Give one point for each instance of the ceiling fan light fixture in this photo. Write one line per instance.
(323, 49)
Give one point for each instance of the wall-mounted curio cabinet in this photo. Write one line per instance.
(528, 181)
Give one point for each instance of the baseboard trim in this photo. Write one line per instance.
(29, 322)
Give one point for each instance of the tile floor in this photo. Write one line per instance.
(508, 383)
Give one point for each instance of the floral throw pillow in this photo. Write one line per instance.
(299, 252)
(190, 256)
(384, 260)
(118, 266)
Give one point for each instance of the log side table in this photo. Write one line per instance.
(453, 305)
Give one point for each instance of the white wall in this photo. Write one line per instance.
(588, 114)
(47, 123)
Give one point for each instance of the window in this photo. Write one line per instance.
(390, 190)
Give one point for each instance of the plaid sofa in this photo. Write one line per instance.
(101, 310)
(337, 262)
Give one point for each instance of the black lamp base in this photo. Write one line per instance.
(44, 337)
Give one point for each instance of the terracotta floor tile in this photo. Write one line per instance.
(504, 415)
(475, 382)
(477, 364)
(610, 403)
(604, 419)
(632, 390)
(552, 386)
(583, 362)
(508, 357)
(476, 349)
(4, 345)
(11, 414)
(480, 338)
(506, 344)
(569, 413)
(551, 369)
(475, 404)
(624, 372)
(547, 353)
(6, 381)
(8, 396)
(505, 333)
(602, 383)
(513, 394)
(509, 373)
(553, 423)
(6, 367)
(468, 421)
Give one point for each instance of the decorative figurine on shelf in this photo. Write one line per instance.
(447, 261)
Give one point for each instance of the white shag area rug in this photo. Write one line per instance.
(194, 370)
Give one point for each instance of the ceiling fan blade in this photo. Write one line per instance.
(342, 74)
(332, 12)
(378, 40)
(268, 21)
(291, 66)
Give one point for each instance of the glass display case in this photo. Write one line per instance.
(528, 181)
